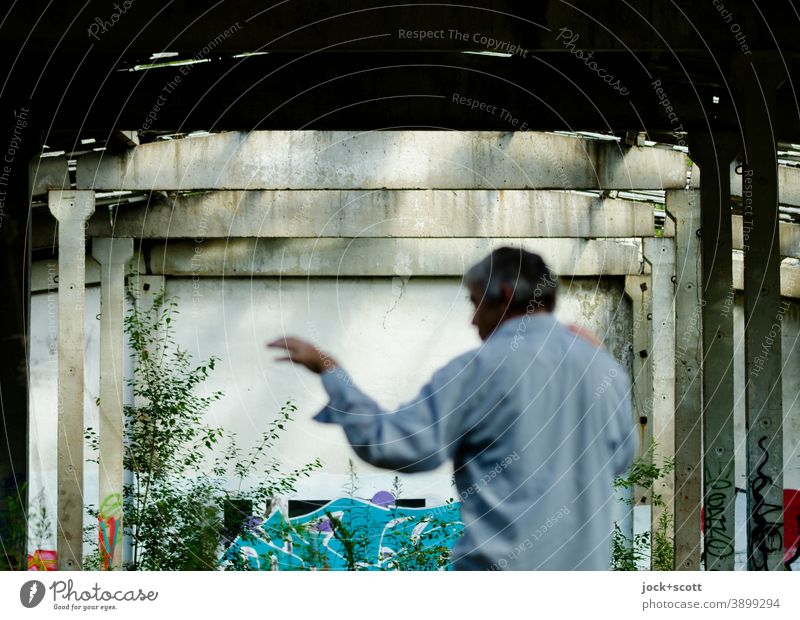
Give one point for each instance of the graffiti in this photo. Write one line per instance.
(43, 559)
(791, 502)
(109, 531)
(719, 542)
(277, 544)
(766, 535)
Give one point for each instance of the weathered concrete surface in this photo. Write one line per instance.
(684, 207)
(789, 237)
(790, 275)
(790, 375)
(660, 253)
(380, 213)
(788, 183)
(390, 333)
(71, 209)
(113, 255)
(383, 257)
(386, 159)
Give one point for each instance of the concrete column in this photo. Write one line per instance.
(639, 290)
(684, 207)
(714, 152)
(763, 313)
(112, 254)
(71, 209)
(143, 289)
(660, 253)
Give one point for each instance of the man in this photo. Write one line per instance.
(537, 421)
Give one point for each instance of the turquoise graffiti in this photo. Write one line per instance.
(350, 534)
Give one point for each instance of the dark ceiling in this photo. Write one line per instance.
(86, 71)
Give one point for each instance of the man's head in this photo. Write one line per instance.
(509, 282)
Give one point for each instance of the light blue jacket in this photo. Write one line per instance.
(537, 422)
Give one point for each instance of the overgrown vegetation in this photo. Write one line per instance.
(654, 549)
(180, 506)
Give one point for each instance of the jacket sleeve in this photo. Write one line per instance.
(420, 435)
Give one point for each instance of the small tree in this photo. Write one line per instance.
(174, 506)
(628, 553)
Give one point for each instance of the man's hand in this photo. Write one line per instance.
(304, 353)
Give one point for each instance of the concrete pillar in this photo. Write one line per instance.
(757, 84)
(714, 152)
(71, 209)
(639, 290)
(684, 207)
(113, 255)
(660, 253)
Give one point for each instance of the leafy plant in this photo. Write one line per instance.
(181, 466)
(628, 553)
(13, 525)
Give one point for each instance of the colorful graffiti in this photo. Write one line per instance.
(377, 536)
(791, 519)
(43, 559)
(109, 531)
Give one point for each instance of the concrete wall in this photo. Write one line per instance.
(390, 333)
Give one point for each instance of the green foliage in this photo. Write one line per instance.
(656, 546)
(427, 551)
(180, 465)
(13, 525)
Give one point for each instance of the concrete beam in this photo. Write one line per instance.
(383, 257)
(788, 233)
(42, 273)
(71, 209)
(385, 159)
(380, 213)
(49, 173)
(788, 183)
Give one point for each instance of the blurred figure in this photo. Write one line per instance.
(537, 421)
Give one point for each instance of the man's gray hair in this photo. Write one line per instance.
(533, 284)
